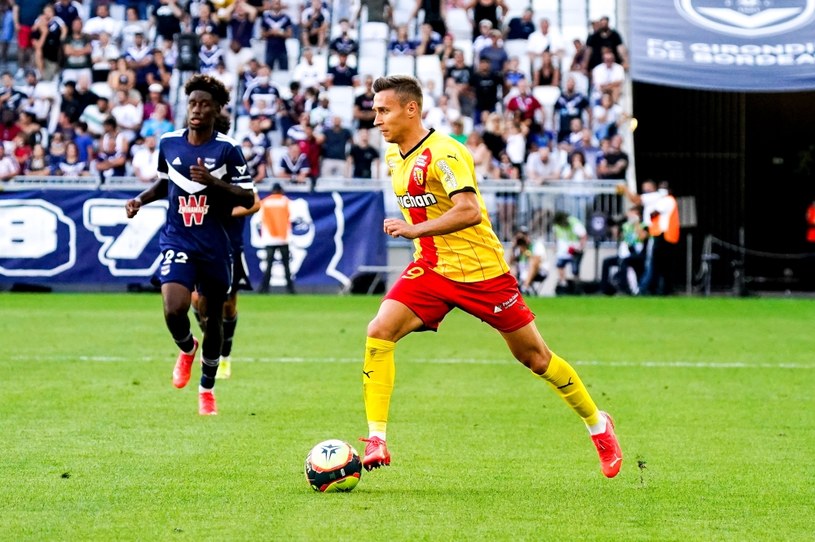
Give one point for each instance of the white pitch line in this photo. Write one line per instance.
(436, 361)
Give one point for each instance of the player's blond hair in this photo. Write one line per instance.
(407, 88)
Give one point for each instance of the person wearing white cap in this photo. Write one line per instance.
(155, 97)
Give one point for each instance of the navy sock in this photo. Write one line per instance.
(208, 370)
(186, 345)
(229, 331)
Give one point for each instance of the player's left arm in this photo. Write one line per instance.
(243, 211)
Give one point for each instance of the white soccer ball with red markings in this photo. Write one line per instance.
(333, 465)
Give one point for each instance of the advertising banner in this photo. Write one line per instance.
(83, 237)
(735, 45)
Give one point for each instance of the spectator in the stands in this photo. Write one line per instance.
(8, 166)
(606, 117)
(487, 84)
(457, 130)
(614, 162)
(363, 159)
(485, 10)
(76, 58)
(401, 44)
(520, 28)
(70, 165)
(541, 167)
(22, 151)
(344, 43)
(56, 149)
(440, 116)
(495, 52)
(30, 129)
(207, 21)
(67, 11)
(25, 13)
(120, 141)
(428, 42)
(607, 76)
(157, 124)
(577, 169)
(342, 75)
(155, 97)
(145, 161)
(570, 105)
(38, 163)
(122, 77)
(493, 135)
(294, 165)
(102, 22)
(307, 72)
(363, 106)
(167, 17)
(276, 27)
(48, 34)
(446, 52)
(95, 114)
(85, 142)
(314, 25)
(604, 37)
(133, 24)
(11, 97)
(242, 28)
(70, 105)
(109, 161)
(545, 39)
(458, 84)
(524, 107)
(128, 115)
(547, 73)
(435, 11)
(483, 37)
(255, 157)
(226, 77)
(140, 59)
(160, 71)
(6, 29)
(335, 149)
(209, 53)
(104, 54)
(512, 75)
(482, 156)
(590, 147)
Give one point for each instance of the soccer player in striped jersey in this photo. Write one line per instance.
(458, 262)
(195, 243)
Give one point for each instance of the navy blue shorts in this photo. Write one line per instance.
(212, 278)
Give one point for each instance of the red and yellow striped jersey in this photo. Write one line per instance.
(424, 181)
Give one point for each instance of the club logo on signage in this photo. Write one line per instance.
(748, 18)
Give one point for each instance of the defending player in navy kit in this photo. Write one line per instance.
(204, 175)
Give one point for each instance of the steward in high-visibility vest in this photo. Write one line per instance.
(665, 219)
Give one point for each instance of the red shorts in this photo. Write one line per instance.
(430, 296)
(24, 37)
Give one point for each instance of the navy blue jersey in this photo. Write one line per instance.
(198, 215)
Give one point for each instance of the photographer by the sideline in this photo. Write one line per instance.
(527, 260)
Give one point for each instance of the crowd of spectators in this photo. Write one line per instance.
(94, 85)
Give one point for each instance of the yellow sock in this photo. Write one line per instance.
(564, 380)
(378, 373)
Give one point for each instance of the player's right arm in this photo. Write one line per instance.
(158, 190)
(464, 213)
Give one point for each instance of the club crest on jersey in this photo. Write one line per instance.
(193, 209)
(748, 18)
(418, 176)
(209, 163)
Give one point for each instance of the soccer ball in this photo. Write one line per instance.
(333, 465)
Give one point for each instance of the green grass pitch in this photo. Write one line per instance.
(713, 400)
